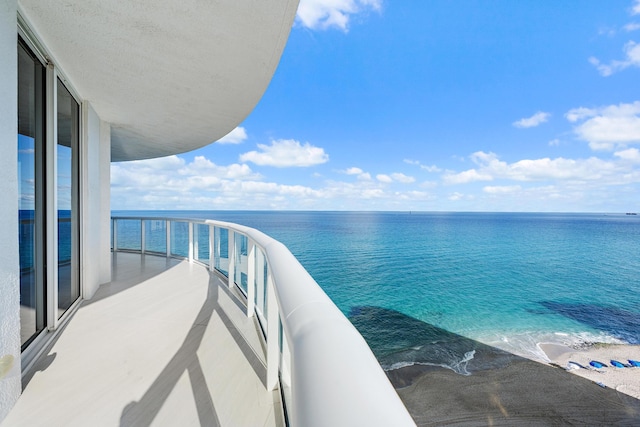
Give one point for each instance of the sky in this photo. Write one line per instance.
(427, 106)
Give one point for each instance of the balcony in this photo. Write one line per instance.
(206, 323)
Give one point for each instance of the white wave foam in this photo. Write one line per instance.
(459, 367)
(527, 344)
(398, 365)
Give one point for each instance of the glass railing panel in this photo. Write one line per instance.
(265, 275)
(129, 235)
(221, 250)
(260, 286)
(241, 261)
(179, 231)
(297, 287)
(155, 235)
(201, 243)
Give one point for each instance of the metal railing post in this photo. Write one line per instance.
(190, 241)
(142, 236)
(115, 235)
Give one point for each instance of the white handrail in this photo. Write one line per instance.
(335, 378)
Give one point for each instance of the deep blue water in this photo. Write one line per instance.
(510, 280)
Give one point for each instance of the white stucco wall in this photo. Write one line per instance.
(9, 263)
(96, 208)
(91, 207)
(105, 202)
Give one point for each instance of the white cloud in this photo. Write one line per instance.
(607, 127)
(414, 195)
(429, 184)
(490, 167)
(384, 178)
(173, 183)
(353, 171)
(395, 177)
(580, 113)
(465, 177)
(362, 175)
(400, 177)
(204, 166)
(286, 153)
(630, 154)
(173, 173)
(554, 142)
(632, 26)
(432, 168)
(502, 189)
(236, 136)
(632, 58)
(635, 10)
(533, 121)
(560, 184)
(323, 14)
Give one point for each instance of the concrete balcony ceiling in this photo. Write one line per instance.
(169, 76)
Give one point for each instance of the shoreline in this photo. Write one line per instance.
(625, 380)
(507, 389)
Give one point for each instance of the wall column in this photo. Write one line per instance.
(105, 202)
(10, 369)
(96, 195)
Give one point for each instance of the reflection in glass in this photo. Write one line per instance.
(241, 269)
(179, 238)
(155, 234)
(31, 193)
(201, 245)
(221, 250)
(129, 234)
(68, 229)
(260, 294)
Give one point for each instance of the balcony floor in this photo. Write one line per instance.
(166, 343)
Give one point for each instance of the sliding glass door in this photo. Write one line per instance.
(31, 152)
(48, 187)
(67, 198)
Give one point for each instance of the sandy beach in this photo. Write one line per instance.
(505, 389)
(625, 380)
(447, 379)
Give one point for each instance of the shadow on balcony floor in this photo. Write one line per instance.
(164, 344)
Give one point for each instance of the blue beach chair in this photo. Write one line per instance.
(617, 364)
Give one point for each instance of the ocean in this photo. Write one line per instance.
(423, 287)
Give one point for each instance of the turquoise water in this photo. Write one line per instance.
(508, 280)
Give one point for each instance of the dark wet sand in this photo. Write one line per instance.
(503, 389)
(519, 392)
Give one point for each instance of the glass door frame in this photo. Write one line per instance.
(50, 188)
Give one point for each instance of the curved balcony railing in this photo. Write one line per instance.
(326, 372)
